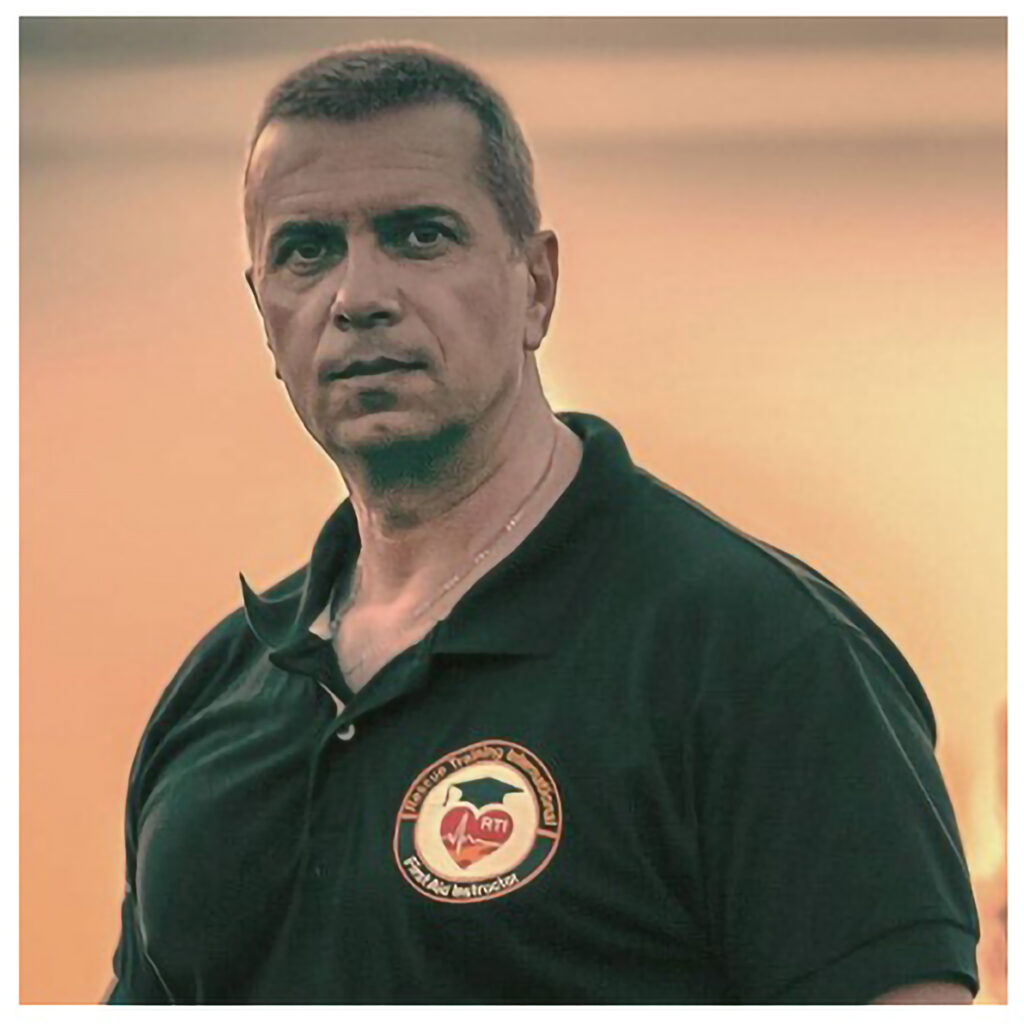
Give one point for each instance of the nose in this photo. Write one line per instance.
(367, 295)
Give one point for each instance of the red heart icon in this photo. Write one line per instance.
(468, 836)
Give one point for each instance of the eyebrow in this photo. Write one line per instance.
(381, 221)
(300, 228)
(404, 214)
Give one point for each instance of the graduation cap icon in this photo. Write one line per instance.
(481, 792)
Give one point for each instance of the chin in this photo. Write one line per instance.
(378, 432)
(398, 451)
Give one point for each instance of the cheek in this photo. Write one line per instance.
(488, 313)
(293, 325)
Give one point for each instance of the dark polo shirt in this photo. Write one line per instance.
(647, 758)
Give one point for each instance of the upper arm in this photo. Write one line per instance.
(946, 992)
(135, 977)
(833, 865)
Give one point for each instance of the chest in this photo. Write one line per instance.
(499, 805)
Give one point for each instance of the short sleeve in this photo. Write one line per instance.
(135, 979)
(833, 867)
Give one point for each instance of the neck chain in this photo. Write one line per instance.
(481, 556)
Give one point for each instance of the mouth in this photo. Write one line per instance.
(376, 367)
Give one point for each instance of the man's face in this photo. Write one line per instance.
(393, 302)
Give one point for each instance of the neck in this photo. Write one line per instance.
(424, 508)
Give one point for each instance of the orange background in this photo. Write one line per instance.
(783, 280)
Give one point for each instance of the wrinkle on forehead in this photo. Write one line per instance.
(442, 138)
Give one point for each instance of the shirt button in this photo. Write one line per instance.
(347, 733)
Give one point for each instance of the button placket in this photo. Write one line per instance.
(349, 731)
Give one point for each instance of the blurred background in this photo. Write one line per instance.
(783, 251)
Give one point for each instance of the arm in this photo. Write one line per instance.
(834, 866)
(945, 992)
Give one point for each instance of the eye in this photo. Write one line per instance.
(307, 251)
(424, 236)
(429, 238)
(305, 257)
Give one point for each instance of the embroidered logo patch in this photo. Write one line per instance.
(478, 823)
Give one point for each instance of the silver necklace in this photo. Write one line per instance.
(482, 555)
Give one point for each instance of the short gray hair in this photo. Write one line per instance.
(356, 82)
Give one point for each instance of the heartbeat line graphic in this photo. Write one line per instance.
(460, 837)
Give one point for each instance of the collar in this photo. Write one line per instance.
(517, 607)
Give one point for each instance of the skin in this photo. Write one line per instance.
(435, 454)
(932, 992)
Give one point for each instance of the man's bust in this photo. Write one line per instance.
(530, 726)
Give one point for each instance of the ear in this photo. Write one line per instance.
(255, 298)
(542, 286)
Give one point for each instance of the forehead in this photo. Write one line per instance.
(418, 155)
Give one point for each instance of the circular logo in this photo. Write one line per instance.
(478, 823)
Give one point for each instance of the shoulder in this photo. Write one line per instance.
(734, 607)
(680, 551)
(228, 645)
(219, 657)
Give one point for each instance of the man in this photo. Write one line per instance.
(530, 726)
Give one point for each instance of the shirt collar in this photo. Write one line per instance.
(517, 607)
